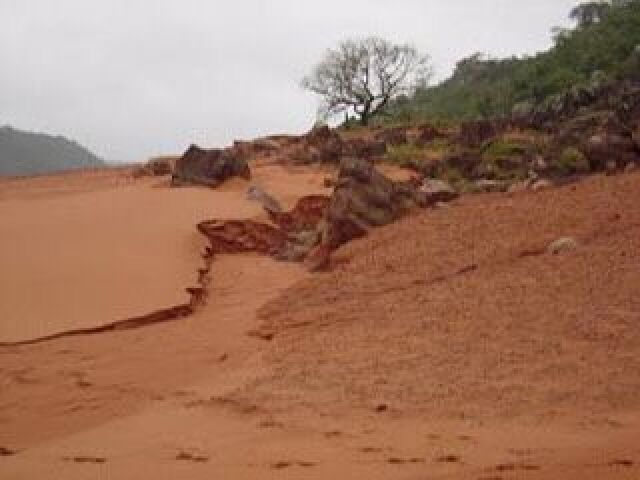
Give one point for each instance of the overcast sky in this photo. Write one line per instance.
(134, 78)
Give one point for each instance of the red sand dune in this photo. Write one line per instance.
(446, 346)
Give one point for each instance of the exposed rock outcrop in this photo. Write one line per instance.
(363, 198)
(320, 145)
(209, 167)
(236, 236)
(155, 167)
(305, 215)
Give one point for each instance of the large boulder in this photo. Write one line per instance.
(320, 145)
(327, 143)
(364, 198)
(209, 167)
(602, 149)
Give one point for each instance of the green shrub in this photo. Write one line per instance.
(571, 160)
(453, 176)
(407, 156)
(504, 148)
(505, 159)
(482, 87)
(438, 147)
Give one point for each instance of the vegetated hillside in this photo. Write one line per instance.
(27, 153)
(600, 49)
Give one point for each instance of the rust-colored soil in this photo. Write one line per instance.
(448, 345)
(81, 250)
(460, 311)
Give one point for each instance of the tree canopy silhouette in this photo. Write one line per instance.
(363, 75)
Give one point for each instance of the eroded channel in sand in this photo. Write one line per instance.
(84, 258)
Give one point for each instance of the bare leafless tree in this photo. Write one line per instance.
(363, 75)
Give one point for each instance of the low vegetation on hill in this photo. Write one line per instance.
(603, 47)
(27, 153)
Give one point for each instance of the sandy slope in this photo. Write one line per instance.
(493, 359)
(81, 250)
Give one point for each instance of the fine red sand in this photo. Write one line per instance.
(80, 250)
(449, 345)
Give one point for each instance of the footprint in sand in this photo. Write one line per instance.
(371, 449)
(403, 461)
(270, 423)
(286, 464)
(191, 457)
(183, 393)
(65, 351)
(448, 459)
(80, 378)
(512, 467)
(521, 452)
(22, 376)
(85, 459)
(6, 452)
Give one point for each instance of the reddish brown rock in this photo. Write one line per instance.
(209, 167)
(318, 258)
(237, 236)
(155, 167)
(326, 144)
(320, 145)
(365, 198)
(318, 224)
(306, 214)
(259, 147)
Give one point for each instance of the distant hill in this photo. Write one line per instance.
(27, 153)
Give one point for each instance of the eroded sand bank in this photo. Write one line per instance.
(82, 250)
